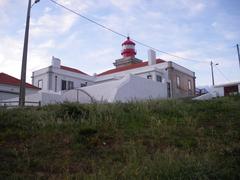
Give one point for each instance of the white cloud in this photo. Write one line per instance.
(79, 5)
(11, 57)
(3, 3)
(47, 9)
(52, 24)
(48, 44)
(194, 7)
(3, 19)
(125, 5)
(10, 50)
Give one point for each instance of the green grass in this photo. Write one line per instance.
(170, 139)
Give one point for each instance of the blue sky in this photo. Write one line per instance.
(203, 30)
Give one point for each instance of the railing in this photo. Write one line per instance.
(7, 104)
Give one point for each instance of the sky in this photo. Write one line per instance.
(202, 30)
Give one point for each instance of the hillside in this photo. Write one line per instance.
(170, 139)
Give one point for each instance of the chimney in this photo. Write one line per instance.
(151, 57)
(56, 63)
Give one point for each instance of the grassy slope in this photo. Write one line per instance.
(173, 139)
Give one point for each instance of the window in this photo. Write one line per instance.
(149, 76)
(178, 81)
(189, 85)
(83, 84)
(55, 83)
(40, 83)
(64, 85)
(70, 85)
(159, 78)
(168, 89)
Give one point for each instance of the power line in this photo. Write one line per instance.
(222, 74)
(120, 34)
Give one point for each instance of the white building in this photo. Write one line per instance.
(9, 87)
(232, 88)
(59, 78)
(173, 80)
(228, 89)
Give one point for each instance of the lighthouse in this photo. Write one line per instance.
(128, 48)
(128, 54)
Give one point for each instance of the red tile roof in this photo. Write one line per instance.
(131, 66)
(10, 80)
(72, 70)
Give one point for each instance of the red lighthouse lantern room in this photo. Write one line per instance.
(128, 48)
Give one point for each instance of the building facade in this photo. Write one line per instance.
(59, 78)
(228, 89)
(179, 81)
(9, 87)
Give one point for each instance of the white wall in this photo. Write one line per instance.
(77, 95)
(218, 90)
(141, 89)
(5, 95)
(129, 88)
(9, 91)
(43, 97)
(45, 81)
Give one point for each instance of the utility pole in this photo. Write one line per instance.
(211, 63)
(24, 59)
(215, 64)
(238, 54)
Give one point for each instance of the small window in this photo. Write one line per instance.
(55, 83)
(64, 85)
(159, 78)
(149, 76)
(83, 84)
(40, 83)
(178, 81)
(168, 89)
(70, 85)
(189, 85)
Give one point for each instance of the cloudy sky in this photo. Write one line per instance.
(202, 30)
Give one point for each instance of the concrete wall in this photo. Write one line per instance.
(141, 89)
(9, 91)
(219, 91)
(131, 87)
(77, 95)
(45, 81)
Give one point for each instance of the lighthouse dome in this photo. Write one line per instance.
(128, 48)
(128, 42)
